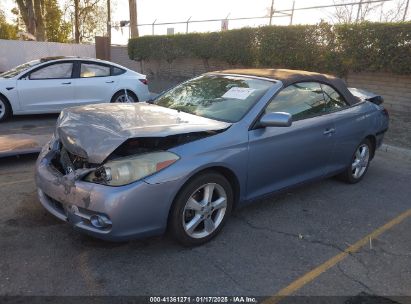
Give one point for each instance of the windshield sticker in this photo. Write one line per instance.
(238, 93)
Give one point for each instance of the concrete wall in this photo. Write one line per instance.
(16, 52)
(119, 55)
(396, 89)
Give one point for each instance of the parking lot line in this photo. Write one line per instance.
(316, 272)
(17, 182)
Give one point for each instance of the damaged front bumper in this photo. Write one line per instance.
(133, 211)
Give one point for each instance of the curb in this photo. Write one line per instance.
(403, 152)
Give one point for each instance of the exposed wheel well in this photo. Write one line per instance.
(130, 92)
(6, 100)
(373, 141)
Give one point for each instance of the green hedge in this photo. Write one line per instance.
(321, 47)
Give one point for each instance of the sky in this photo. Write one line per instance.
(181, 10)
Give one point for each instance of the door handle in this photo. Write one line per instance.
(110, 81)
(329, 131)
(66, 83)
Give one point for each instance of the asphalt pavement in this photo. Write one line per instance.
(300, 242)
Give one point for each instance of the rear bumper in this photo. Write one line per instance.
(136, 210)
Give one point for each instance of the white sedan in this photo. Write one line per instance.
(51, 84)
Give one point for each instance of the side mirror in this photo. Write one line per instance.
(276, 119)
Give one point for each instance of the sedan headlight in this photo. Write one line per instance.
(129, 169)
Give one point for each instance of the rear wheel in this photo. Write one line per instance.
(124, 97)
(359, 163)
(5, 109)
(201, 209)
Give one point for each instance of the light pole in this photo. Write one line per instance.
(406, 10)
(359, 11)
(108, 22)
(271, 11)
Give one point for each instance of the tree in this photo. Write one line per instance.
(32, 12)
(89, 18)
(7, 31)
(397, 13)
(43, 19)
(57, 29)
(353, 13)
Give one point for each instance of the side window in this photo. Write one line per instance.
(302, 100)
(94, 70)
(53, 71)
(117, 71)
(334, 100)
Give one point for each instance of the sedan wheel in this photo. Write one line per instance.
(359, 164)
(361, 159)
(201, 209)
(4, 110)
(205, 210)
(122, 97)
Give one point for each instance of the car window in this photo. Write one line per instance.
(53, 71)
(301, 100)
(19, 69)
(117, 71)
(94, 70)
(334, 100)
(220, 97)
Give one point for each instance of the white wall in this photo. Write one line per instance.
(16, 52)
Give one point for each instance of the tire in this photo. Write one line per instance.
(360, 163)
(195, 227)
(120, 95)
(5, 109)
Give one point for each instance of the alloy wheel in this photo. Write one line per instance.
(2, 109)
(360, 162)
(205, 210)
(123, 98)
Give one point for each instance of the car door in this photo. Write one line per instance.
(283, 156)
(95, 83)
(47, 89)
(350, 124)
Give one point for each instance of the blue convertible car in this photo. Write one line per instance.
(183, 161)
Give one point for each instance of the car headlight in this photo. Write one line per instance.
(129, 169)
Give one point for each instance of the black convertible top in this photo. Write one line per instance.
(288, 77)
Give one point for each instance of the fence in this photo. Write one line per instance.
(280, 13)
(16, 52)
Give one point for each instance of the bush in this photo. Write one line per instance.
(376, 46)
(322, 47)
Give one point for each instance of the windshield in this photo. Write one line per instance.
(220, 97)
(21, 68)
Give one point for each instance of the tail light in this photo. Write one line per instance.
(144, 81)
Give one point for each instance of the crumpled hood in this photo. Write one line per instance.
(95, 131)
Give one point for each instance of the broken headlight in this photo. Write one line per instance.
(129, 169)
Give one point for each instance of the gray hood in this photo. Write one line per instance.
(95, 131)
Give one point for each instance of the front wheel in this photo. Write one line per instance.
(201, 209)
(359, 163)
(5, 109)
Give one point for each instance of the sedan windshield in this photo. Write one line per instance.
(21, 68)
(220, 97)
